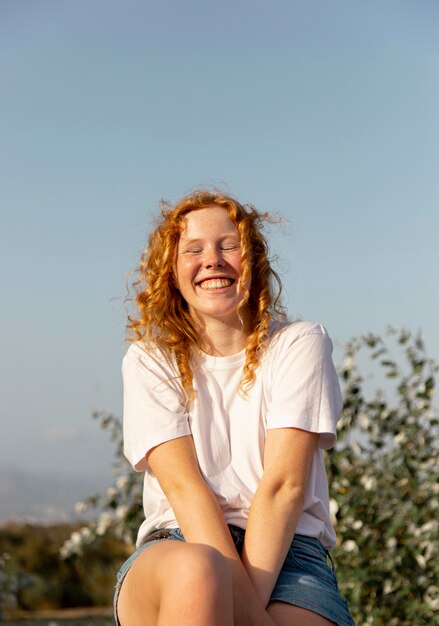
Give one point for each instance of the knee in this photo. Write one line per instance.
(202, 567)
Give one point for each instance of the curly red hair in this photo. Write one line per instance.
(163, 317)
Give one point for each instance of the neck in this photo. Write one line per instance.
(224, 338)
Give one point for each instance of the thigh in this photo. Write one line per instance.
(139, 596)
(171, 578)
(286, 614)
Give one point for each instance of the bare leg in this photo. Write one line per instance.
(177, 583)
(287, 614)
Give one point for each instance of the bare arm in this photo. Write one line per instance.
(202, 521)
(277, 505)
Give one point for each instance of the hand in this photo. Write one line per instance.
(248, 609)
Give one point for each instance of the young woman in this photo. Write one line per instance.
(227, 408)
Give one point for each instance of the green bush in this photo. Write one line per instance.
(36, 577)
(383, 477)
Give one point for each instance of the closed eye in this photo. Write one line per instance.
(225, 247)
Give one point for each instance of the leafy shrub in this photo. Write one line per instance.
(34, 577)
(383, 477)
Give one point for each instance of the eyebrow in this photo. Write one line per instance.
(199, 239)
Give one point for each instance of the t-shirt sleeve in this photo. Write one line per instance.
(305, 389)
(153, 405)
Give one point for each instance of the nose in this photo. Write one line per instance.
(213, 260)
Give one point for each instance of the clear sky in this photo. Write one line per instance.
(325, 112)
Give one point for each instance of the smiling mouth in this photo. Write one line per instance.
(216, 283)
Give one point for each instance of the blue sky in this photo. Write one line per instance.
(324, 112)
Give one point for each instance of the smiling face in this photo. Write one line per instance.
(208, 265)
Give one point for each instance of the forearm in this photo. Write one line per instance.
(272, 521)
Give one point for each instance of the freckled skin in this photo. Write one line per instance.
(209, 247)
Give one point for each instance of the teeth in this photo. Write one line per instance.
(216, 283)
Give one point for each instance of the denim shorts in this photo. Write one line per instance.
(306, 578)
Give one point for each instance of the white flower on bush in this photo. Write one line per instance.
(428, 548)
(333, 510)
(76, 542)
(388, 586)
(81, 507)
(368, 482)
(122, 482)
(121, 512)
(355, 446)
(421, 560)
(348, 363)
(391, 543)
(350, 546)
(431, 597)
(400, 438)
(111, 492)
(363, 420)
(432, 525)
(105, 521)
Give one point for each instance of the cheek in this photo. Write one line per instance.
(183, 271)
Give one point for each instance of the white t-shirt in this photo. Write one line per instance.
(295, 386)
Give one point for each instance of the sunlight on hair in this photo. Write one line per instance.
(162, 316)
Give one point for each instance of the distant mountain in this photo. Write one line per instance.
(45, 496)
